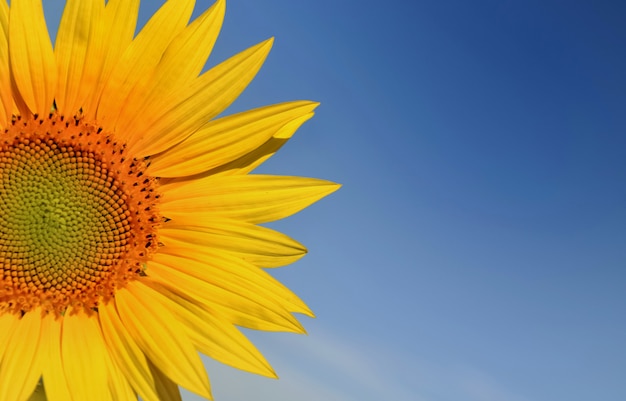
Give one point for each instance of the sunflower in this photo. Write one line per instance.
(131, 234)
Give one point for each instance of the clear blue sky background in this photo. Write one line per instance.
(477, 249)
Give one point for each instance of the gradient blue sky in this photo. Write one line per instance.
(477, 249)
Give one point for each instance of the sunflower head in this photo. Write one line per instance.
(79, 218)
(130, 236)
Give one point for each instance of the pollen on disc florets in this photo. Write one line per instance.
(78, 217)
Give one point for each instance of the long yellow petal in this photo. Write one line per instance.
(253, 198)
(248, 162)
(226, 139)
(8, 322)
(126, 353)
(188, 109)
(214, 336)
(142, 56)
(167, 389)
(84, 354)
(250, 318)
(112, 37)
(222, 294)
(54, 377)
(258, 245)
(212, 266)
(181, 63)
(21, 363)
(32, 60)
(254, 159)
(142, 311)
(187, 54)
(7, 105)
(118, 383)
(77, 62)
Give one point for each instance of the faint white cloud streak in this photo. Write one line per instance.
(325, 366)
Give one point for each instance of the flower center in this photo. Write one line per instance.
(78, 217)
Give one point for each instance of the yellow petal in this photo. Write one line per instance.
(248, 162)
(165, 387)
(231, 270)
(214, 336)
(113, 35)
(186, 55)
(118, 383)
(32, 60)
(188, 109)
(181, 63)
(226, 139)
(253, 198)
(77, 53)
(54, 377)
(142, 56)
(21, 363)
(252, 160)
(8, 322)
(126, 353)
(258, 245)
(84, 354)
(223, 295)
(7, 105)
(142, 311)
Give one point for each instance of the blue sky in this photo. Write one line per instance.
(477, 249)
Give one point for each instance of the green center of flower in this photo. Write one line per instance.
(77, 218)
